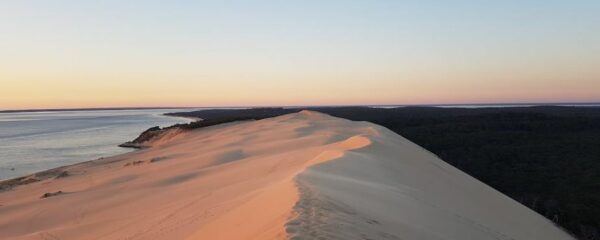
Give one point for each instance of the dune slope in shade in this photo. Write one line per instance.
(394, 189)
(299, 176)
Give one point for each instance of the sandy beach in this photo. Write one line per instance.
(305, 175)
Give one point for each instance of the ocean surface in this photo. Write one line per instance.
(36, 141)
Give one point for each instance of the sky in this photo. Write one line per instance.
(72, 54)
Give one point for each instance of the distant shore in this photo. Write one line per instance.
(89, 109)
(457, 105)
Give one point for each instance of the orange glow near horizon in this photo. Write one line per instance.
(189, 93)
(250, 83)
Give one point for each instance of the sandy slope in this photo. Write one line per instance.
(300, 176)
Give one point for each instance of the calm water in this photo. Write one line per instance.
(35, 141)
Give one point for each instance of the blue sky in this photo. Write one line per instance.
(297, 52)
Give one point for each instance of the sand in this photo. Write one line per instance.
(299, 176)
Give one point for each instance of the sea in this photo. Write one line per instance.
(36, 141)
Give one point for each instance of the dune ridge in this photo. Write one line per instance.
(299, 176)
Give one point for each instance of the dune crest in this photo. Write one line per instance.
(305, 175)
(185, 185)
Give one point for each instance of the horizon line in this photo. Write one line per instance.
(297, 106)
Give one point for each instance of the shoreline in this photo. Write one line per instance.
(88, 109)
(4, 182)
(107, 145)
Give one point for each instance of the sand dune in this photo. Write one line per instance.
(298, 176)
